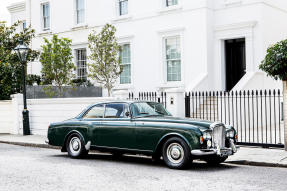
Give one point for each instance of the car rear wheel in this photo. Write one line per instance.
(215, 160)
(75, 146)
(176, 153)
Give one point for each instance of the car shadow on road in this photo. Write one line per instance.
(143, 160)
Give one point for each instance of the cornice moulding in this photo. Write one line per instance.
(17, 7)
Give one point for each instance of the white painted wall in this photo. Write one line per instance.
(42, 112)
(5, 116)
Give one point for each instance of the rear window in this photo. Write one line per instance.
(96, 112)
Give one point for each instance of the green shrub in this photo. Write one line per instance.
(32, 78)
(275, 62)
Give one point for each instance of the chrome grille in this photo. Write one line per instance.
(218, 136)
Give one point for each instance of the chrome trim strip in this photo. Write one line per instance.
(119, 148)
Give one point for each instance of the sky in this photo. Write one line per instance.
(4, 13)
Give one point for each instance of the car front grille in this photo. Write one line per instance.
(218, 136)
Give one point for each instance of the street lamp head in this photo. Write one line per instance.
(22, 52)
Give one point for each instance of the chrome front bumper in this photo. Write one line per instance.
(216, 151)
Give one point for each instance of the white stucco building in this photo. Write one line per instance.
(187, 44)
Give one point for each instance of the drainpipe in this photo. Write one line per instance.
(28, 21)
(28, 12)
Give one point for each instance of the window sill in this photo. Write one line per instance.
(45, 32)
(170, 9)
(80, 26)
(122, 18)
(232, 2)
(174, 84)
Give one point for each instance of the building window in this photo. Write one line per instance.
(81, 63)
(123, 7)
(80, 11)
(46, 16)
(173, 58)
(169, 3)
(24, 24)
(125, 55)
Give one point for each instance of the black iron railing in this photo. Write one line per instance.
(256, 115)
(149, 96)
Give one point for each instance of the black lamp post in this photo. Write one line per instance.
(22, 52)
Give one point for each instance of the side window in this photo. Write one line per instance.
(169, 3)
(96, 112)
(46, 16)
(115, 110)
(123, 7)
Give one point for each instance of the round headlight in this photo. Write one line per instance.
(230, 134)
(209, 143)
(206, 135)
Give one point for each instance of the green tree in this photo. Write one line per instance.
(106, 64)
(275, 65)
(10, 66)
(56, 58)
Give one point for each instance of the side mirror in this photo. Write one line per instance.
(127, 114)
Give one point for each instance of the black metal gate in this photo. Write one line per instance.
(256, 115)
(149, 96)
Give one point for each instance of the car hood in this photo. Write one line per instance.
(201, 124)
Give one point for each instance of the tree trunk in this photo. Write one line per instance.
(285, 112)
(109, 92)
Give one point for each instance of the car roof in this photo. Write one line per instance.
(116, 101)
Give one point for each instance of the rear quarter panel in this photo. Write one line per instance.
(57, 133)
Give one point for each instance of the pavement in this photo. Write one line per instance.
(254, 156)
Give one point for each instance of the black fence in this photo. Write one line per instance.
(257, 116)
(149, 96)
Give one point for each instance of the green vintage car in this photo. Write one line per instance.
(143, 127)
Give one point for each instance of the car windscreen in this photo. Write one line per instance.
(144, 109)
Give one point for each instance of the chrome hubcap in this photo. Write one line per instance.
(175, 153)
(75, 145)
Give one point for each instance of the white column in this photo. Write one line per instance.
(175, 101)
(285, 112)
(17, 101)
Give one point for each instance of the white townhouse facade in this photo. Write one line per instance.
(186, 44)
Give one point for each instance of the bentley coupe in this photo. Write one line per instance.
(143, 127)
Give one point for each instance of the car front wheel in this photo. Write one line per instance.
(176, 153)
(75, 146)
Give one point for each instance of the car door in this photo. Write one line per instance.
(117, 129)
(94, 117)
(148, 129)
(148, 134)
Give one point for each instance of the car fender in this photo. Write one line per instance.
(165, 137)
(66, 138)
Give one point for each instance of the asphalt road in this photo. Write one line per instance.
(27, 168)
